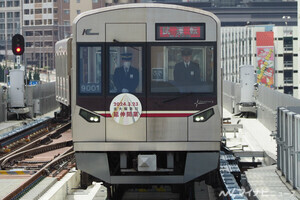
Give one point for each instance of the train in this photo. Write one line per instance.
(143, 85)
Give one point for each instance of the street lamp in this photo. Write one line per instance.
(286, 18)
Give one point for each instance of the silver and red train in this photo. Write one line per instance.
(153, 127)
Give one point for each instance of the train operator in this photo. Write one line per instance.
(126, 77)
(186, 72)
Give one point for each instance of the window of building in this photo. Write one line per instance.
(2, 15)
(17, 25)
(288, 76)
(38, 11)
(48, 44)
(26, 1)
(28, 33)
(9, 15)
(26, 22)
(29, 44)
(38, 1)
(9, 4)
(2, 4)
(17, 14)
(288, 90)
(31, 22)
(55, 22)
(67, 12)
(288, 43)
(49, 21)
(55, 10)
(2, 26)
(10, 26)
(39, 22)
(49, 10)
(2, 36)
(38, 33)
(45, 22)
(16, 3)
(45, 10)
(288, 60)
(26, 11)
(67, 23)
(38, 44)
(48, 33)
(31, 11)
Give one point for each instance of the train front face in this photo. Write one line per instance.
(140, 116)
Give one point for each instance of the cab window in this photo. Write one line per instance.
(90, 75)
(182, 69)
(125, 69)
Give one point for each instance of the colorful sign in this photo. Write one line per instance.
(265, 58)
(180, 31)
(125, 109)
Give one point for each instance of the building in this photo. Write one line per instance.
(10, 24)
(47, 21)
(42, 25)
(247, 46)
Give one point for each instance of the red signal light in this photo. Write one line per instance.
(18, 49)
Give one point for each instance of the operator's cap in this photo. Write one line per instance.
(126, 56)
(186, 52)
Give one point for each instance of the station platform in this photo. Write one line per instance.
(265, 182)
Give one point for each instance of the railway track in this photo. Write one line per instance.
(49, 154)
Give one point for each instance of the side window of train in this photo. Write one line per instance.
(90, 65)
(125, 69)
(182, 69)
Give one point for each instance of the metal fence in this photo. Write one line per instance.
(231, 96)
(288, 144)
(44, 98)
(267, 101)
(3, 105)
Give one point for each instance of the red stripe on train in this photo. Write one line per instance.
(158, 115)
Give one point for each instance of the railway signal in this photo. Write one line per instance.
(18, 44)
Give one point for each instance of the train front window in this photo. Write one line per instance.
(125, 69)
(182, 69)
(90, 75)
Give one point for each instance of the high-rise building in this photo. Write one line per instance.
(10, 24)
(43, 25)
(272, 50)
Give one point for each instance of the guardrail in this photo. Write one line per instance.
(288, 144)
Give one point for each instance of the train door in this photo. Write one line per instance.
(125, 99)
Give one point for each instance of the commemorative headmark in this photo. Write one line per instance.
(125, 109)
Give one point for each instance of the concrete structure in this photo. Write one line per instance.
(239, 48)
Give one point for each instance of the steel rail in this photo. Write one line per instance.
(39, 140)
(67, 155)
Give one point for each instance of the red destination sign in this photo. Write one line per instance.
(180, 32)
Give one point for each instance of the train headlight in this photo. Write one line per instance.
(90, 117)
(204, 116)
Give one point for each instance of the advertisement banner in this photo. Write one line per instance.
(265, 66)
(265, 58)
